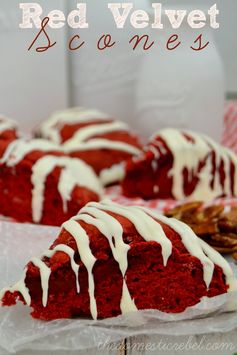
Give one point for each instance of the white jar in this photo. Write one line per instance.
(181, 88)
(106, 79)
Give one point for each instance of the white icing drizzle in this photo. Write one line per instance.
(8, 151)
(191, 243)
(50, 129)
(75, 172)
(70, 252)
(100, 143)
(85, 133)
(188, 154)
(20, 287)
(233, 159)
(88, 259)
(111, 228)
(6, 124)
(221, 154)
(161, 147)
(155, 151)
(154, 165)
(116, 172)
(220, 261)
(83, 140)
(147, 223)
(113, 174)
(19, 148)
(45, 273)
(196, 247)
(146, 226)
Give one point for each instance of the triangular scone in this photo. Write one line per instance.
(181, 164)
(40, 184)
(110, 260)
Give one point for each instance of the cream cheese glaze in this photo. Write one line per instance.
(100, 143)
(188, 153)
(20, 287)
(18, 149)
(50, 128)
(74, 172)
(113, 174)
(147, 223)
(8, 151)
(84, 138)
(86, 133)
(6, 124)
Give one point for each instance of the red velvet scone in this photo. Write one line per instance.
(39, 184)
(8, 128)
(110, 260)
(8, 133)
(181, 164)
(93, 137)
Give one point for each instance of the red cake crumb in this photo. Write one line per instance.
(75, 129)
(170, 288)
(8, 133)
(16, 189)
(8, 129)
(177, 164)
(68, 131)
(103, 158)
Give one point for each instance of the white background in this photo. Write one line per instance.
(226, 38)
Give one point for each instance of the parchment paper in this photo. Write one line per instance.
(18, 331)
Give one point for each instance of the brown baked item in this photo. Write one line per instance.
(215, 224)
